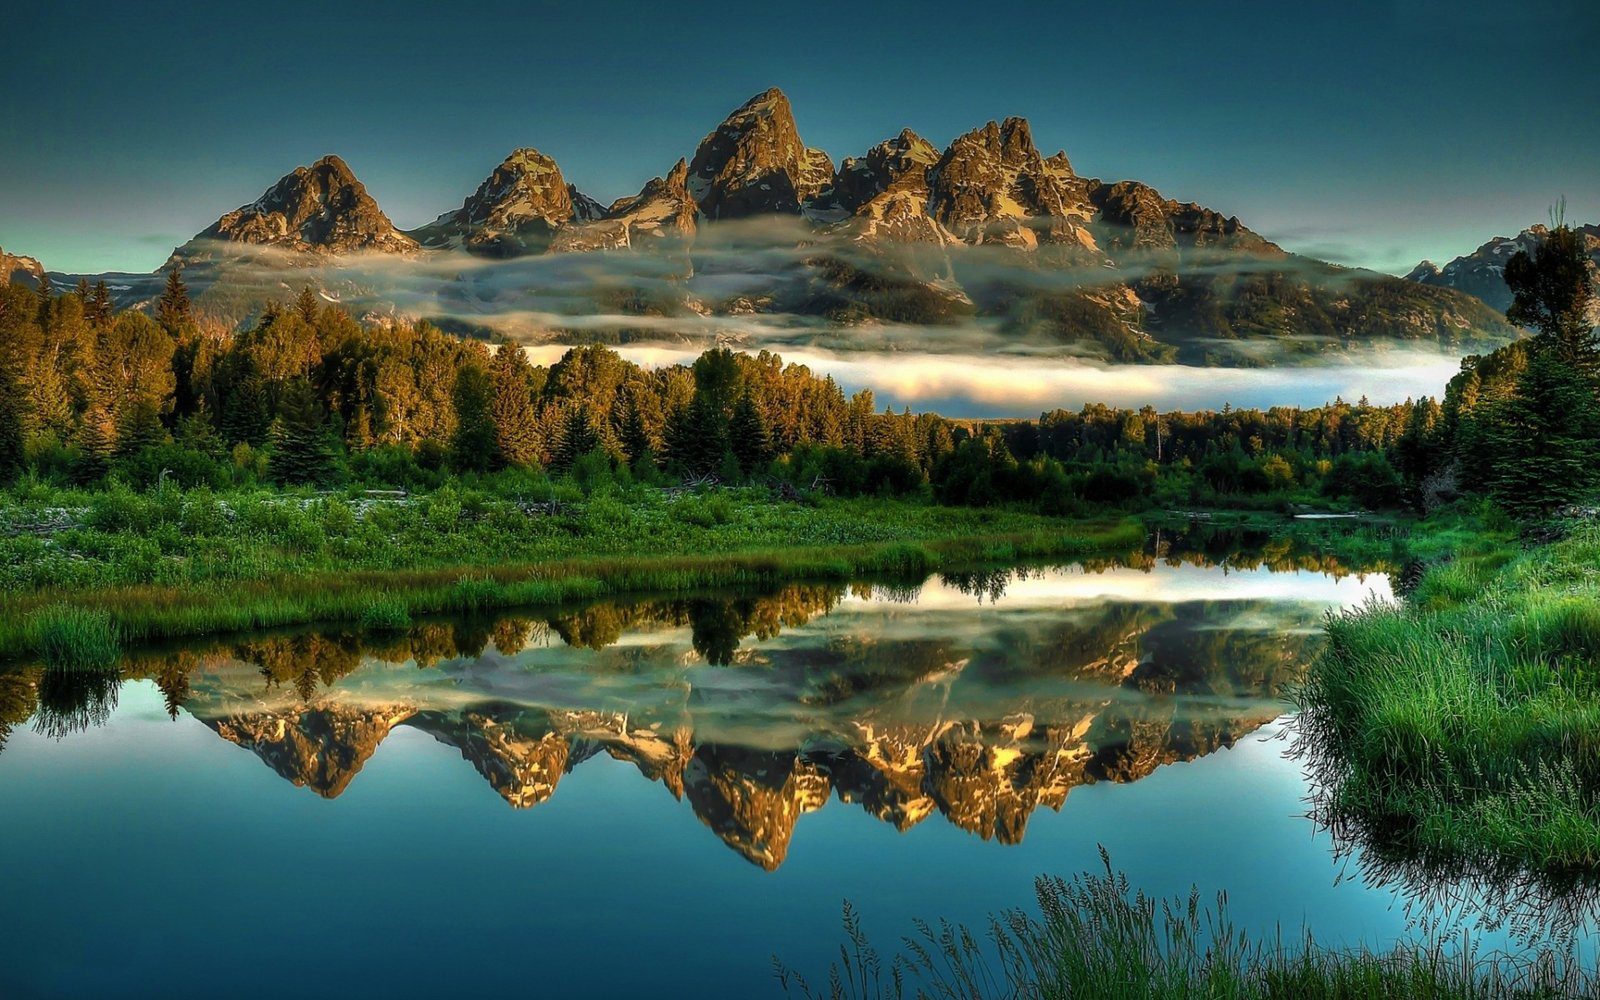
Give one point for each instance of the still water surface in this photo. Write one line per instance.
(654, 798)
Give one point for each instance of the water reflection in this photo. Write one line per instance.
(977, 699)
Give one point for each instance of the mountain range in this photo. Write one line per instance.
(1481, 273)
(987, 233)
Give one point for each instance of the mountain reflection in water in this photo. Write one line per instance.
(976, 698)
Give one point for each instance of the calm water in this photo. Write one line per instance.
(654, 798)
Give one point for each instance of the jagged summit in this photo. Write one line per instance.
(662, 212)
(517, 209)
(15, 267)
(322, 208)
(993, 186)
(754, 163)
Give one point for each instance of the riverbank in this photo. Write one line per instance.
(172, 563)
(1462, 729)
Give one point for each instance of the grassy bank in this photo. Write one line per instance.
(174, 563)
(1463, 727)
(1095, 940)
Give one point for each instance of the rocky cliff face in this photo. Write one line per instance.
(755, 164)
(516, 210)
(321, 747)
(1482, 273)
(661, 214)
(993, 186)
(320, 209)
(14, 267)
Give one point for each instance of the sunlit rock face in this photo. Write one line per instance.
(751, 799)
(321, 747)
(992, 186)
(518, 753)
(516, 210)
(320, 209)
(23, 270)
(755, 164)
(661, 214)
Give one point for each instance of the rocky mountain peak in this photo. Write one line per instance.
(663, 211)
(897, 164)
(322, 208)
(993, 186)
(517, 209)
(14, 267)
(1481, 273)
(754, 163)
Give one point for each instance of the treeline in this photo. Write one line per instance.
(1521, 426)
(308, 395)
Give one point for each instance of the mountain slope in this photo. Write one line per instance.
(320, 209)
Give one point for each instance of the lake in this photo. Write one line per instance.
(657, 796)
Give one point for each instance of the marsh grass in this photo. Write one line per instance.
(72, 637)
(261, 574)
(1094, 938)
(385, 613)
(1463, 728)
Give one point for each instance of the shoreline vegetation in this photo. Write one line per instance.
(1095, 938)
(271, 577)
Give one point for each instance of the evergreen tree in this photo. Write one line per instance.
(307, 306)
(472, 447)
(516, 426)
(1552, 294)
(1541, 441)
(139, 428)
(635, 435)
(697, 437)
(98, 309)
(12, 456)
(173, 310)
(302, 451)
(578, 438)
(96, 439)
(749, 436)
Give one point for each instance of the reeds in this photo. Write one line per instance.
(71, 637)
(1094, 938)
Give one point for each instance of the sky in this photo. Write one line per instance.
(1368, 133)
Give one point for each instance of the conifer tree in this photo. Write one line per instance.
(472, 447)
(516, 426)
(12, 456)
(749, 436)
(174, 311)
(139, 428)
(578, 438)
(1552, 293)
(98, 309)
(301, 449)
(96, 439)
(1541, 440)
(307, 306)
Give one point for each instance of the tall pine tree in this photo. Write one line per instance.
(174, 311)
(302, 448)
(472, 446)
(516, 426)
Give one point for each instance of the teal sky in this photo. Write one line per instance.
(1370, 133)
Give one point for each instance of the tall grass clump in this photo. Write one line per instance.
(1094, 938)
(69, 637)
(385, 613)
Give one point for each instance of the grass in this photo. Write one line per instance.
(67, 637)
(171, 564)
(1094, 939)
(1462, 728)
